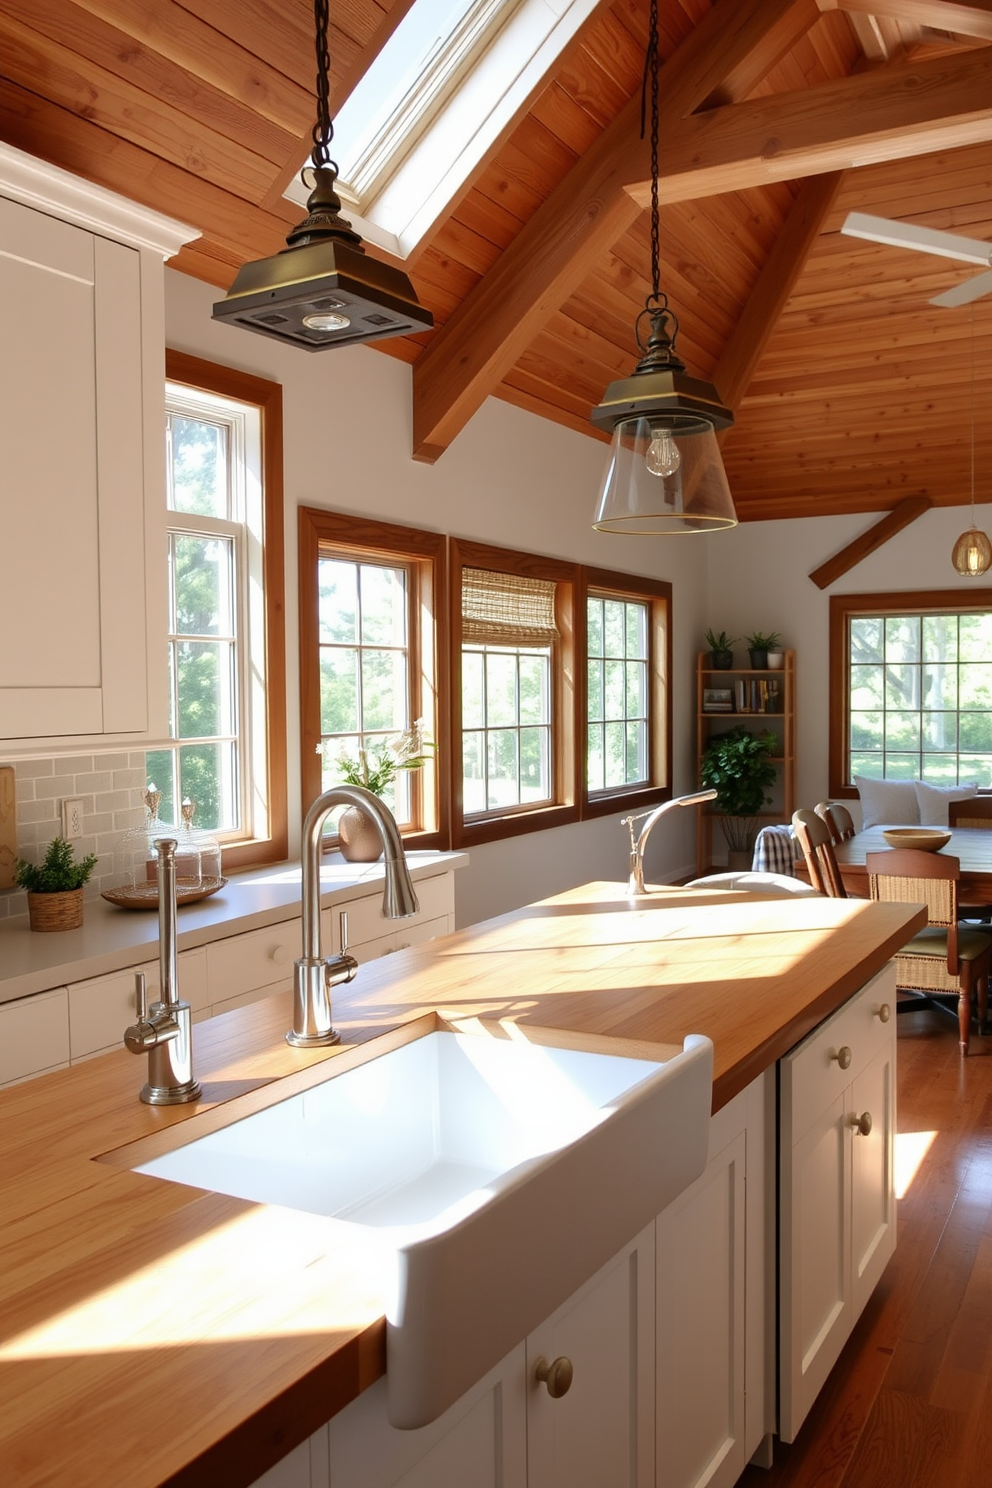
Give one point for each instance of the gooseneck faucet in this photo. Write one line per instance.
(314, 976)
(635, 883)
(164, 1031)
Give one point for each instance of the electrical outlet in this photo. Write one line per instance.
(72, 819)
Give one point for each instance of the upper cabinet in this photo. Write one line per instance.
(83, 553)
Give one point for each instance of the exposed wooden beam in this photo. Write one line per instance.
(939, 15)
(775, 284)
(894, 521)
(727, 54)
(894, 112)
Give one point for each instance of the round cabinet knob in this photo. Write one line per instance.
(862, 1123)
(279, 954)
(884, 1013)
(556, 1375)
(842, 1056)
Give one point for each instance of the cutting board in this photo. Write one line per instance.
(8, 827)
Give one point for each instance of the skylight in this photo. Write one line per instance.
(448, 81)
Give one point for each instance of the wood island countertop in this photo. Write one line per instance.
(153, 1334)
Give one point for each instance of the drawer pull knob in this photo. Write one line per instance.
(556, 1375)
(884, 1013)
(842, 1056)
(862, 1124)
(279, 954)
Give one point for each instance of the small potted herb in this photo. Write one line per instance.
(721, 650)
(759, 644)
(55, 886)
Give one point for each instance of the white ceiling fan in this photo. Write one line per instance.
(929, 240)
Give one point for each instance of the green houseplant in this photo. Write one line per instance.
(721, 649)
(759, 643)
(55, 886)
(739, 767)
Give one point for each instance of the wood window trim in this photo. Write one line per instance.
(259, 392)
(565, 745)
(842, 606)
(657, 594)
(364, 537)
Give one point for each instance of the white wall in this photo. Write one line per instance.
(509, 478)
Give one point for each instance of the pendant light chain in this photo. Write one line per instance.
(650, 77)
(971, 312)
(323, 130)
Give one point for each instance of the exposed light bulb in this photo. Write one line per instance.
(662, 458)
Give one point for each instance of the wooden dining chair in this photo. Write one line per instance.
(838, 819)
(946, 965)
(813, 836)
(975, 811)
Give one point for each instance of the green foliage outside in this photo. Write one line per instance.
(58, 872)
(738, 766)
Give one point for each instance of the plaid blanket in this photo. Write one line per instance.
(774, 851)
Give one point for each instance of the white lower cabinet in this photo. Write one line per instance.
(837, 1187)
(34, 1035)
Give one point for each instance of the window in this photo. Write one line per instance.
(368, 654)
(513, 725)
(627, 712)
(225, 588)
(911, 695)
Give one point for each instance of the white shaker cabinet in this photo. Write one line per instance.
(82, 433)
(837, 1187)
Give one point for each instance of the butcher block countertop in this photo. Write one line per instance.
(154, 1334)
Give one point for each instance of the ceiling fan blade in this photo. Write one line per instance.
(922, 239)
(963, 294)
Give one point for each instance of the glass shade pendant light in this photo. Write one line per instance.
(972, 553)
(322, 289)
(665, 474)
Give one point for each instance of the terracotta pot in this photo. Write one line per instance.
(360, 840)
(56, 911)
(738, 862)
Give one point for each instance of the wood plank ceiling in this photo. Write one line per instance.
(778, 117)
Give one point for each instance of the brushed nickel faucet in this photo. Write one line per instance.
(635, 883)
(314, 977)
(164, 1031)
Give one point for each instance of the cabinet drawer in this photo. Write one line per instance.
(34, 1035)
(366, 920)
(259, 958)
(812, 1076)
(100, 1009)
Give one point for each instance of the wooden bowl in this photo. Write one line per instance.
(923, 839)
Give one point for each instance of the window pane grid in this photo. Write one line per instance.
(920, 697)
(617, 693)
(506, 735)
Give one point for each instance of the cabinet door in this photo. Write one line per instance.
(600, 1432)
(700, 1328)
(873, 1205)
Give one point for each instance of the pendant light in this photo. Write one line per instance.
(972, 553)
(322, 289)
(665, 474)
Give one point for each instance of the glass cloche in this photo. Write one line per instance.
(198, 861)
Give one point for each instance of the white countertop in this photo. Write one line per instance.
(112, 938)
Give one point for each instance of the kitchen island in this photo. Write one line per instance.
(155, 1334)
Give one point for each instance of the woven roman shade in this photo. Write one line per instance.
(501, 609)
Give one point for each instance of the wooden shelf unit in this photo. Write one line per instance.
(781, 722)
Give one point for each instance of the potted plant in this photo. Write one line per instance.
(759, 644)
(721, 649)
(55, 886)
(376, 768)
(739, 767)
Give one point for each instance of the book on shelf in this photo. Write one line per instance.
(758, 695)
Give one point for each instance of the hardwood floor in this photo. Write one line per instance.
(909, 1403)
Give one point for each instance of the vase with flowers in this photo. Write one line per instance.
(376, 766)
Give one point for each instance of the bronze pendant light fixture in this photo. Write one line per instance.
(665, 474)
(972, 553)
(322, 289)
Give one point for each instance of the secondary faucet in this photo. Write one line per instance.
(164, 1031)
(635, 883)
(314, 976)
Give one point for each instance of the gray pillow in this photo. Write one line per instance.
(933, 800)
(890, 803)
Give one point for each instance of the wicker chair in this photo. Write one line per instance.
(947, 965)
(975, 811)
(838, 819)
(814, 838)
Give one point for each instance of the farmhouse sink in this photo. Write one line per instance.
(496, 1174)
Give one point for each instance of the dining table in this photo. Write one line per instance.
(972, 846)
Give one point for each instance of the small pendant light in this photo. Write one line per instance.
(972, 553)
(665, 474)
(322, 289)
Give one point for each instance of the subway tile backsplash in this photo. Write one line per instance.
(111, 787)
